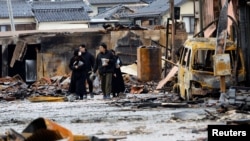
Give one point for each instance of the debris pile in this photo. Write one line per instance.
(12, 88)
(117, 27)
(150, 101)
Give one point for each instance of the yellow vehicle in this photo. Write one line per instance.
(196, 67)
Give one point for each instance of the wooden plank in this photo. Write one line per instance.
(19, 52)
(108, 138)
(46, 99)
(239, 122)
(240, 98)
(172, 72)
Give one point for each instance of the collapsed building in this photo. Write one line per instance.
(34, 55)
(40, 59)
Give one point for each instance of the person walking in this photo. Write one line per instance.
(104, 63)
(118, 85)
(89, 63)
(78, 76)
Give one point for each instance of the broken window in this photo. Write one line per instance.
(203, 60)
(185, 57)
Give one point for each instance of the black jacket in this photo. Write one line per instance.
(80, 62)
(104, 69)
(78, 74)
(89, 60)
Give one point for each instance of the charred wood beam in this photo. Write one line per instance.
(154, 105)
(4, 59)
(239, 122)
(19, 52)
(169, 62)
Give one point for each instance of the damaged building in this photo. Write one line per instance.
(34, 55)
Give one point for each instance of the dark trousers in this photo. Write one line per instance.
(106, 83)
(90, 83)
(80, 87)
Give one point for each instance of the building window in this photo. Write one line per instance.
(101, 9)
(189, 23)
(138, 22)
(3, 28)
(151, 22)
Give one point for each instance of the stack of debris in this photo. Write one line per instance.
(151, 101)
(12, 88)
(237, 97)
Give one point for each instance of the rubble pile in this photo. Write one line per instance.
(12, 88)
(150, 101)
(135, 86)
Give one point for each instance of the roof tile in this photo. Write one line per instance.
(55, 15)
(61, 5)
(156, 8)
(20, 9)
(93, 2)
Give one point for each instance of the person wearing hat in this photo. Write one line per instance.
(89, 63)
(104, 64)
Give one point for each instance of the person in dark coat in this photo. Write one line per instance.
(78, 76)
(89, 64)
(118, 85)
(104, 63)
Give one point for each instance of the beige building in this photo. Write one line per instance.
(158, 13)
(22, 16)
(61, 14)
(99, 6)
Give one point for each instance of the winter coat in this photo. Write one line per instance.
(99, 66)
(117, 79)
(78, 74)
(89, 60)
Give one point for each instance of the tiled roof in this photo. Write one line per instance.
(55, 15)
(20, 9)
(148, 1)
(93, 2)
(156, 8)
(115, 12)
(61, 5)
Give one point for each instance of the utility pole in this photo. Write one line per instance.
(13, 29)
(201, 17)
(172, 30)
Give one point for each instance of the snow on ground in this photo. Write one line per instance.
(96, 117)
